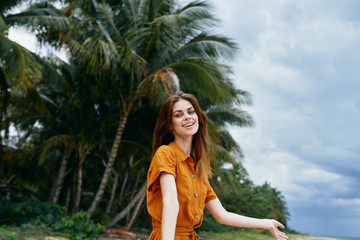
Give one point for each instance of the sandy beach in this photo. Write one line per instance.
(308, 237)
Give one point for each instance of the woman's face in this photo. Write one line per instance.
(184, 120)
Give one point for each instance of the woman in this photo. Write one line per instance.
(178, 187)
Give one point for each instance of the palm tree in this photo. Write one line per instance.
(20, 72)
(127, 55)
(224, 148)
(137, 142)
(77, 115)
(143, 49)
(157, 46)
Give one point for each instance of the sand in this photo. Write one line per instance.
(307, 237)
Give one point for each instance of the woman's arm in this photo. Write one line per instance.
(170, 206)
(232, 219)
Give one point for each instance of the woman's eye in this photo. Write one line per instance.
(191, 112)
(178, 115)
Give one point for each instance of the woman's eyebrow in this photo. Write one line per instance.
(177, 111)
(181, 110)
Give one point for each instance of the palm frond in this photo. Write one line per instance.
(234, 116)
(242, 97)
(221, 136)
(194, 4)
(221, 154)
(169, 83)
(3, 25)
(131, 61)
(19, 65)
(39, 102)
(36, 16)
(4, 92)
(211, 46)
(198, 15)
(204, 76)
(58, 140)
(108, 22)
(6, 6)
(95, 52)
(171, 20)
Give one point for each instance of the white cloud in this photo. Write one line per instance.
(21, 36)
(299, 60)
(28, 40)
(295, 177)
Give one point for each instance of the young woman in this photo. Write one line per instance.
(178, 187)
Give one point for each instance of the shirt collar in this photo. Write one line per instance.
(179, 151)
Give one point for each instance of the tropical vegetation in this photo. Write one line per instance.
(77, 132)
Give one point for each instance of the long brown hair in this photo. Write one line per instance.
(199, 148)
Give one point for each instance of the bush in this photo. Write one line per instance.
(78, 226)
(51, 216)
(30, 212)
(210, 224)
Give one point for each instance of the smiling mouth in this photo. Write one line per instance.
(189, 125)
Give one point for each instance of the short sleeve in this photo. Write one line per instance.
(164, 160)
(210, 194)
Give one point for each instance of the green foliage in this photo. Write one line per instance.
(47, 216)
(210, 224)
(124, 56)
(31, 212)
(242, 196)
(24, 232)
(78, 226)
(9, 233)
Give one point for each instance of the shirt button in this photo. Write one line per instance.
(193, 175)
(195, 195)
(196, 215)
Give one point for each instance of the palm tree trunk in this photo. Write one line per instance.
(2, 77)
(67, 199)
(1, 155)
(125, 179)
(108, 208)
(110, 163)
(78, 189)
(127, 209)
(58, 184)
(136, 211)
(135, 185)
(124, 184)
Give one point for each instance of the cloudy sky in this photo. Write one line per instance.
(300, 60)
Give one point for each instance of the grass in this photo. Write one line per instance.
(31, 232)
(25, 232)
(237, 235)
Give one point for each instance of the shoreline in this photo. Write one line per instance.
(310, 237)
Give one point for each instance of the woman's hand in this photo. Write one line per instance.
(273, 227)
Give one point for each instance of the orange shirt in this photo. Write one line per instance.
(192, 192)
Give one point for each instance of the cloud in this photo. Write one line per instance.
(299, 60)
(29, 41)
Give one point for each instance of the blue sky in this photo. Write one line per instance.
(300, 61)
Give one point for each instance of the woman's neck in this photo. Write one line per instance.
(184, 144)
